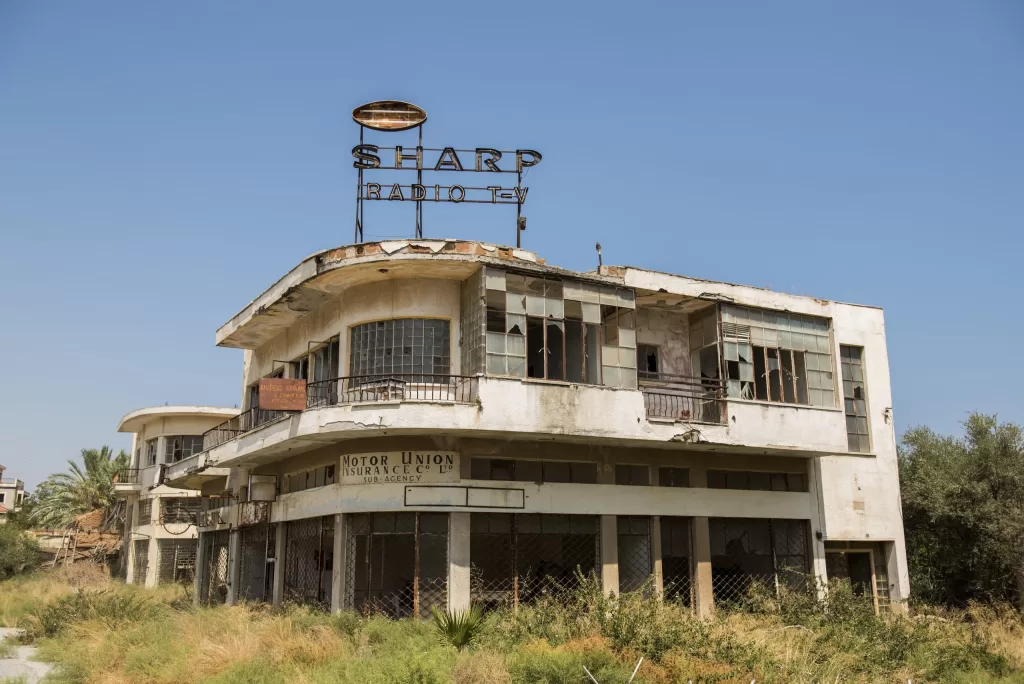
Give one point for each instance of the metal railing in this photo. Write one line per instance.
(253, 513)
(125, 476)
(239, 425)
(459, 389)
(683, 398)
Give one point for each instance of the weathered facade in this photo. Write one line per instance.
(161, 538)
(481, 427)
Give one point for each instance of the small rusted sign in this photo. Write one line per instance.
(282, 394)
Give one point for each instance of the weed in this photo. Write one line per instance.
(457, 628)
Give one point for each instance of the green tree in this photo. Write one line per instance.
(19, 551)
(963, 512)
(63, 496)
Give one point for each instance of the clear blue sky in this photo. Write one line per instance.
(163, 163)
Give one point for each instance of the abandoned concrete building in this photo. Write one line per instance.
(160, 538)
(445, 422)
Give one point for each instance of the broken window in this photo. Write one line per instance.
(750, 555)
(178, 447)
(647, 360)
(151, 451)
(635, 560)
(309, 479)
(777, 357)
(300, 368)
(704, 345)
(855, 398)
(549, 329)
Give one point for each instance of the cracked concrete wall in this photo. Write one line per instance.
(671, 333)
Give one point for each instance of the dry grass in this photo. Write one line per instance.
(176, 643)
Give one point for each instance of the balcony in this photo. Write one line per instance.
(683, 398)
(127, 480)
(357, 389)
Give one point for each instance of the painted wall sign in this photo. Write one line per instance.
(403, 467)
(393, 115)
(282, 394)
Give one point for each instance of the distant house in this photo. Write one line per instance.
(12, 495)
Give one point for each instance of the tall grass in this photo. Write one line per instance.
(103, 631)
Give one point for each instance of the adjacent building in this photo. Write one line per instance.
(160, 525)
(446, 422)
(12, 495)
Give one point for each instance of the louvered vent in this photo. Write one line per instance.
(735, 332)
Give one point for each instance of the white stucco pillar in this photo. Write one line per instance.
(817, 533)
(279, 550)
(659, 576)
(338, 588)
(609, 555)
(197, 584)
(459, 591)
(704, 596)
(234, 561)
(154, 561)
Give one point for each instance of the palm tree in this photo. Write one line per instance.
(62, 497)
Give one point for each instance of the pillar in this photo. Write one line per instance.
(609, 555)
(133, 511)
(154, 560)
(279, 551)
(816, 540)
(659, 577)
(338, 575)
(703, 594)
(234, 562)
(459, 592)
(198, 582)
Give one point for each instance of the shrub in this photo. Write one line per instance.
(113, 609)
(19, 552)
(458, 629)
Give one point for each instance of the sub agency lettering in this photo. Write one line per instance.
(404, 467)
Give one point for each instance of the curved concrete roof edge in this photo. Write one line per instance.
(151, 412)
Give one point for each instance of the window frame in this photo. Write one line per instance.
(847, 400)
(426, 376)
(168, 455)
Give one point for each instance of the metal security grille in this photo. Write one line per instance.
(308, 561)
(676, 557)
(215, 571)
(256, 564)
(140, 561)
(635, 564)
(145, 512)
(397, 563)
(751, 557)
(180, 509)
(177, 560)
(520, 558)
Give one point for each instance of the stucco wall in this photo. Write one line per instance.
(671, 333)
(396, 298)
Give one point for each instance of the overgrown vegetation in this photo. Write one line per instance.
(19, 551)
(82, 489)
(101, 631)
(963, 512)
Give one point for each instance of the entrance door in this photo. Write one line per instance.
(856, 566)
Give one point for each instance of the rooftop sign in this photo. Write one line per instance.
(393, 115)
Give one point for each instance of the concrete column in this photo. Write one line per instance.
(234, 562)
(818, 568)
(609, 555)
(279, 551)
(659, 577)
(338, 588)
(703, 594)
(459, 592)
(129, 553)
(197, 589)
(154, 562)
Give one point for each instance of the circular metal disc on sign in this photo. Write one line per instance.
(389, 115)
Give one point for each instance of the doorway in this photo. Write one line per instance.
(857, 566)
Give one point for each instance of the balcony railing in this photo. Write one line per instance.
(459, 389)
(239, 425)
(253, 513)
(683, 398)
(127, 476)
